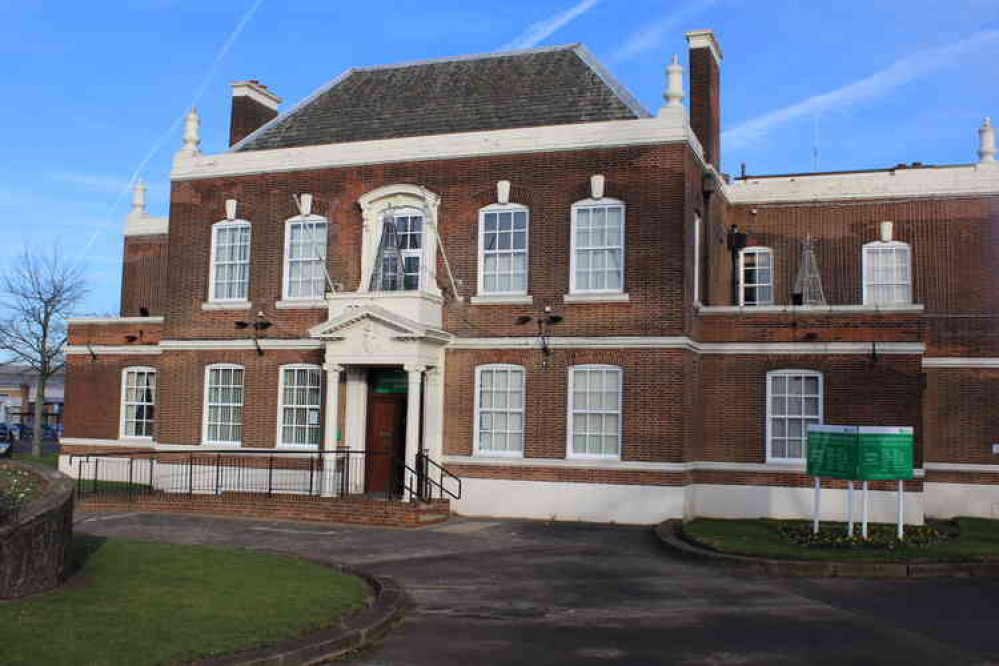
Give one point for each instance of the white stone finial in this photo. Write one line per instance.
(886, 231)
(139, 198)
(230, 209)
(674, 83)
(305, 204)
(192, 136)
(503, 191)
(987, 142)
(597, 186)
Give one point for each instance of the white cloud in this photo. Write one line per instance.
(653, 35)
(906, 70)
(541, 30)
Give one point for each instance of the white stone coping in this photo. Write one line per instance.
(226, 305)
(961, 362)
(808, 309)
(961, 467)
(614, 297)
(683, 342)
(507, 299)
(124, 350)
(113, 320)
(144, 225)
(301, 304)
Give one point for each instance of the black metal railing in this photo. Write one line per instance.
(289, 475)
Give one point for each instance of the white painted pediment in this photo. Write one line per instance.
(370, 328)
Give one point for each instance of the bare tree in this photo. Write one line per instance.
(37, 293)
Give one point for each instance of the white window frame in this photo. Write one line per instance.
(897, 246)
(523, 411)
(569, 452)
(597, 203)
(742, 276)
(205, 406)
(122, 430)
(229, 224)
(504, 208)
(280, 413)
(411, 211)
(286, 272)
(791, 372)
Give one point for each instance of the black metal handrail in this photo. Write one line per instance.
(289, 474)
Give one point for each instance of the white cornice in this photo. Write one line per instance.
(483, 461)
(961, 467)
(961, 362)
(808, 309)
(664, 128)
(113, 320)
(969, 180)
(683, 342)
(244, 343)
(116, 350)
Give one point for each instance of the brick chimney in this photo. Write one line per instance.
(253, 105)
(705, 89)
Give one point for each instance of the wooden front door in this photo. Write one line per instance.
(386, 441)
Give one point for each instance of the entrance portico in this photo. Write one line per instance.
(361, 336)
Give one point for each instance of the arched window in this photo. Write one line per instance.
(223, 411)
(229, 274)
(597, 253)
(499, 410)
(305, 258)
(503, 234)
(138, 402)
(756, 276)
(595, 397)
(299, 405)
(887, 268)
(794, 402)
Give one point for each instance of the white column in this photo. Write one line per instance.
(355, 425)
(330, 426)
(433, 436)
(415, 373)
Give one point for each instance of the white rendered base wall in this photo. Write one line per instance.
(947, 500)
(718, 501)
(599, 503)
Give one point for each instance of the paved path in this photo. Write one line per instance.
(519, 592)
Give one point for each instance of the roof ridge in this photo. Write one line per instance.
(471, 56)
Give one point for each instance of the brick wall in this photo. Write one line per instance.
(705, 102)
(93, 393)
(246, 116)
(649, 179)
(858, 391)
(962, 418)
(143, 275)
(652, 400)
(788, 327)
(145, 333)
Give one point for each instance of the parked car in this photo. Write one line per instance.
(6, 432)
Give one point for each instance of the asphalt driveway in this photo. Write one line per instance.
(520, 592)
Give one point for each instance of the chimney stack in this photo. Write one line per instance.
(253, 105)
(705, 90)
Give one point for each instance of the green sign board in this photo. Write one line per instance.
(860, 453)
(885, 453)
(832, 451)
(389, 381)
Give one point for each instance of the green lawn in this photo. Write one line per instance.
(50, 459)
(976, 539)
(153, 603)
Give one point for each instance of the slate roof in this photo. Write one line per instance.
(547, 86)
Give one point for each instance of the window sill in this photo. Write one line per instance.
(498, 455)
(506, 299)
(302, 304)
(615, 297)
(898, 308)
(605, 458)
(226, 305)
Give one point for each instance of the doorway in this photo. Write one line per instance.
(386, 433)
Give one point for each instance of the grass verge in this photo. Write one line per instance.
(150, 603)
(49, 459)
(971, 539)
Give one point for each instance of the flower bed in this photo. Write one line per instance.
(879, 536)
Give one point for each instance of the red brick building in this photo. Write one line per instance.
(505, 262)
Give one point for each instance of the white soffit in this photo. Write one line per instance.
(665, 128)
(915, 182)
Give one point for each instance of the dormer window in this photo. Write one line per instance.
(756, 276)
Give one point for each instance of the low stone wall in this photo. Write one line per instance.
(34, 551)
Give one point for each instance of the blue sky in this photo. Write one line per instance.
(92, 89)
